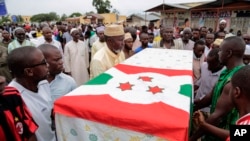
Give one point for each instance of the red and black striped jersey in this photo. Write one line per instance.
(16, 122)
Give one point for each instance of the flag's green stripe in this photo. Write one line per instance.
(99, 80)
(186, 90)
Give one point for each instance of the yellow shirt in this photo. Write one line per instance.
(103, 60)
(97, 45)
(39, 34)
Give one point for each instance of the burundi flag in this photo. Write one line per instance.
(148, 93)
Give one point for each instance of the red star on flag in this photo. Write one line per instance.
(145, 78)
(155, 89)
(125, 86)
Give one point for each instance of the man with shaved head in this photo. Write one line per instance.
(222, 109)
(47, 39)
(60, 83)
(30, 69)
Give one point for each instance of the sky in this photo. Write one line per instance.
(125, 7)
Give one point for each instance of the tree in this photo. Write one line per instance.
(102, 6)
(63, 17)
(76, 14)
(52, 16)
(90, 12)
(5, 19)
(20, 19)
(115, 11)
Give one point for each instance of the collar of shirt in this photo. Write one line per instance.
(207, 48)
(217, 73)
(18, 43)
(195, 58)
(245, 120)
(52, 42)
(21, 88)
(57, 78)
(111, 53)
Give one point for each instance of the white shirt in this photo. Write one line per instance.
(206, 83)
(206, 51)
(40, 105)
(54, 43)
(35, 41)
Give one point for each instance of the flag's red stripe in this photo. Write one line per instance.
(135, 69)
(157, 119)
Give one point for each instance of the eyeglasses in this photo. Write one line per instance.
(44, 62)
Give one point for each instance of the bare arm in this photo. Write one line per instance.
(204, 102)
(221, 133)
(224, 106)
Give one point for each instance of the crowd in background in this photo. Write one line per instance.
(44, 62)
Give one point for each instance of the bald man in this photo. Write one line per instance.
(222, 109)
(30, 69)
(48, 39)
(60, 83)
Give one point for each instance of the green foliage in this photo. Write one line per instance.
(5, 19)
(102, 6)
(52, 16)
(90, 12)
(20, 19)
(63, 17)
(76, 14)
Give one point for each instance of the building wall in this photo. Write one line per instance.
(109, 18)
(26, 19)
(122, 18)
(233, 18)
(176, 19)
(82, 20)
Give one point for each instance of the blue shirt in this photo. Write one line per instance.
(140, 49)
(61, 85)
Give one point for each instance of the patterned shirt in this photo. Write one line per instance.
(16, 123)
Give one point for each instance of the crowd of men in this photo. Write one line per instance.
(42, 63)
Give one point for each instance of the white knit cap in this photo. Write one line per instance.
(72, 30)
(223, 21)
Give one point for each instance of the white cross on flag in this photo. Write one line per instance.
(148, 93)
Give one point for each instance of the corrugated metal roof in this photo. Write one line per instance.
(149, 17)
(169, 6)
(95, 15)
